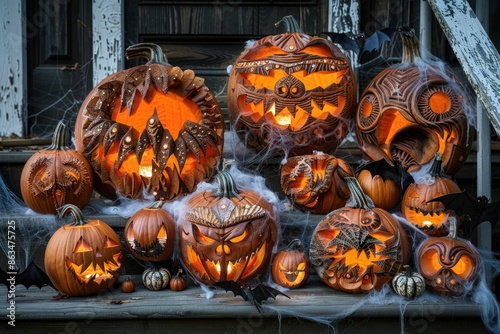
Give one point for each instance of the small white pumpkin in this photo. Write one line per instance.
(156, 278)
(408, 284)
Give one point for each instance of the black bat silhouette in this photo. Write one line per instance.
(367, 48)
(255, 295)
(388, 172)
(32, 275)
(472, 210)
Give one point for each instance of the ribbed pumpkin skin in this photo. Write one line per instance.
(156, 278)
(62, 245)
(408, 284)
(178, 282)
(385, 194)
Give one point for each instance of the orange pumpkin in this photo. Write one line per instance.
(411, 112)
(56, 176)
(358, 248)
(85, 257)
(291, 93)
(153, 127)
(227, 234)
(315, 182)
(290, 266)
(178, 282)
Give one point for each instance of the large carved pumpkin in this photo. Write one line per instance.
(291, 92)
(56, 176)
(227, 234)
(410, 112)
(153, 127)
(358, 248)
(85, 257)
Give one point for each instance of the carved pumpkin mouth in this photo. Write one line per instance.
(97, 271)
(154, 249)
(228, 270)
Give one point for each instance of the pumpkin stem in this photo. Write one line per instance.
(452, 232)
(357, 195)
(410, 45)
(157, 205)
(75, 212)
(294, 245)
(290, 23)
(408, 271)
(436, 170)
(227, 187)
(60, 138)
(152, 52)
(179, 273)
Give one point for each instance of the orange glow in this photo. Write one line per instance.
(82, 246)
(440, 102)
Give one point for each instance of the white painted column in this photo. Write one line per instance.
(425, 25)
(13, 68)
(108, 32)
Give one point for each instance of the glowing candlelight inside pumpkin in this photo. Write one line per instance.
(427, 223)
(146, 171)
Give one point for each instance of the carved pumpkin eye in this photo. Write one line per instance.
(201, 238)
(243, 236)
(110, 243)
(82, 246)
(431, 263)
(464, 267)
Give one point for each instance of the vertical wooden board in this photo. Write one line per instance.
(13, 80)
(475, 51)
(237, 20)
(344, 16)
(107, 38)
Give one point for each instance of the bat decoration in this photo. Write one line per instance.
(471, 210)
(255, 295)
(367, 48)
(32, 275)
(389, 172)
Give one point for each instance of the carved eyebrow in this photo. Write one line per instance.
(205, 216)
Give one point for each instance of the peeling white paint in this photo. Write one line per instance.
(13, 79)
(108, 49)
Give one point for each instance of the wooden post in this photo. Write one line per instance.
(425, 26)
(108, 32)
(13, 68)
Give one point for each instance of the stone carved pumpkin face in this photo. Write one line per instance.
(151, 127)
(409, 113)
(227, 236)
(291, 92)
(450, 266)
(315, 182)
(85, 258)
(150, 233)
(355, 249)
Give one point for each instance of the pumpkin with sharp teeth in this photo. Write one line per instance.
(85, 257)
(227, 234)
(291, 92)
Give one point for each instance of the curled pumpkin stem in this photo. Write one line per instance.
(227, 187)
(152, 52)
(410, 45)
(290, 23)
(76, 213)
(60, 138)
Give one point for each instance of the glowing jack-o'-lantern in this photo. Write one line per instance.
(227, 234)
(56, 176)
(150, 233)
(291, 92)
(450, 266)
(151, 127)
(290, 266)
(85, 257)
(411, 112)
(358, 248)
(315, 182)
(429, 217)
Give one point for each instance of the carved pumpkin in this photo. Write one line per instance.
(429, 217)
(150, 233)
(290, 266)
(291, 92)
(227, 234)
(450, 266)
(408, 284)
(411, 112)
(315, 182)
(178, 282)
(56, 176)
(85, 257)
(357, 248)
(156, 279)
(152, 126)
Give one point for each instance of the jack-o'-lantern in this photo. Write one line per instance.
(153, 127)
(450, 266)
(227, 234)
(315, 182)
(290, 266)
(85, 257)
(358, 248)
(410, 112)
(56, 176)
(429, 217)
(150, 233)
(291, 92)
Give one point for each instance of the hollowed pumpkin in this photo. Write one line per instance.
(410, 112)
(291, 93)
(153, 127)
(290, 266)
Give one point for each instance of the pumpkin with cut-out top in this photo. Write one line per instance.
(151, 127)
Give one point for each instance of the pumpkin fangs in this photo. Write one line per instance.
(95, 272)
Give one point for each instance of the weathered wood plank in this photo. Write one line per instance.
(13, 79)
(476, 53)
(107, 26)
